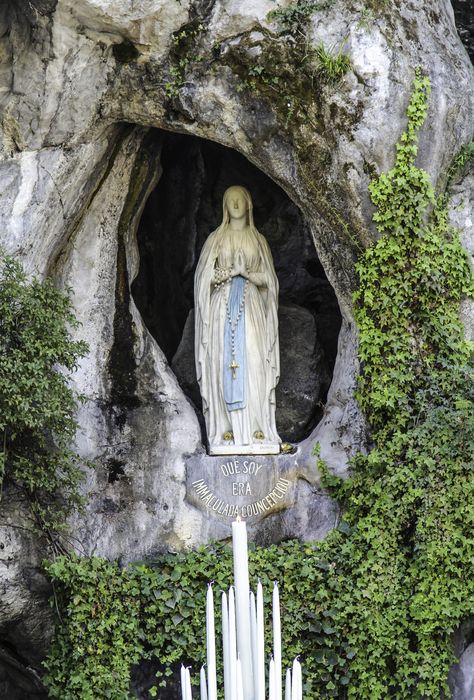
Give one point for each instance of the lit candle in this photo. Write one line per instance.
(232, 646)
(240, 685)
(211, 645)
(288, 685)
(253, 635)
(277, 640)
(271, 681)
(260, 645)
(203, 687)
(242, 593)
(225, 646)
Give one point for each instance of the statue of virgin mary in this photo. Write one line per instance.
(236, 335)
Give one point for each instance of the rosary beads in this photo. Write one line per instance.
(221, 276)
(233, 323)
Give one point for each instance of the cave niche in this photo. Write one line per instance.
(180, 212)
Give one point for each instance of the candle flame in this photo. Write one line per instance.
(238, 519)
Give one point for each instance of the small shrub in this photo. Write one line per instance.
(37, 403)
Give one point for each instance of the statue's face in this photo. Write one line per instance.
(236, 203)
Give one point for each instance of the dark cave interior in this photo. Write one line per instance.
(181, 211)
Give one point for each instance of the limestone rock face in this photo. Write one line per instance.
(84, 85)
(461, 216)
(461, 676)
(25, 615)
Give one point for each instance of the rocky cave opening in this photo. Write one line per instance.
(180, 212)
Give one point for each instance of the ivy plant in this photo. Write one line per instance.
(113, 617)
(406, 584)
(294, 16)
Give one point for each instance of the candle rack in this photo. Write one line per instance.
(243, 640)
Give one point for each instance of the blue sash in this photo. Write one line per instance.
(234, 379)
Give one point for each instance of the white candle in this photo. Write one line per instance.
(242, 592)
(211, 645)
(253, 635)
(277, 641)
(296, 682)
(183, 683)
(189, 693)
(271, 681)
(203, 687)
(300, 681)
(260, 645)
(232, 647)
(288, 685)
(240, 685)
(225, 646)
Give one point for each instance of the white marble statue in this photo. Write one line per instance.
(236, 346)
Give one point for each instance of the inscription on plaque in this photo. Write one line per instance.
(245, 480)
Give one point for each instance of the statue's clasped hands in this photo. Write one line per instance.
(239, 267)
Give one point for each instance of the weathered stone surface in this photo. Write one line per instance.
(461, 215)
(461, 676)
(304, 377)
(25, 614)
(75, 178)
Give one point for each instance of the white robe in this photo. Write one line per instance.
(261, 334)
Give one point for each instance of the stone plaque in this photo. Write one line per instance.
(248, 486)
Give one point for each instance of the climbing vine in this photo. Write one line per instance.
(373, 608)
(184, 53)
(405, 580)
